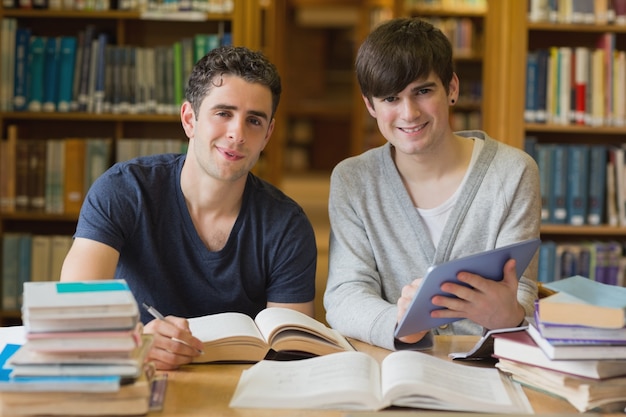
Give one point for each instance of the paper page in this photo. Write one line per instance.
(345, 380)
(273, 319)
(223, 325)
(442, 384)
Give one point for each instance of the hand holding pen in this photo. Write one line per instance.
(173, 345)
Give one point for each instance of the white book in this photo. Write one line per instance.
(81, 299)
(356, 381)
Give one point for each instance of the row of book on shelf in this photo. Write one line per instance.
(81, 347)
(580, 184)
(53, 175)
(29, 257)
(89, 73)
(574, 347)
(577, 85)
(601, 261)
(207, 6)
(578, 11)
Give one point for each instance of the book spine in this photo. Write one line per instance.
(36, 61)
(541, 111)
(9, 170)
(545, 164)
(559, 195)
(20, 89)
(7, 62)
(83, 89)
(40, 258)
(55, 174)
(67, 62)
(74, 175)
(578, 185)
(597, 185)
(24, 264)
(10, 266)
(100, 68)
(21, 175)
(51, 74)
(37, 175)
(530, 108)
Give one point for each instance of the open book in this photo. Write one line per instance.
(356, 381)
(275, 333)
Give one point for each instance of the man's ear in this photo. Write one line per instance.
(453, 88)
(369, 106)
(188, 119)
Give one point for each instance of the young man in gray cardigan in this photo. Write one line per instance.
(427, 196)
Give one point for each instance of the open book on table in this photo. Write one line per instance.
(275, 333)
(356, 381)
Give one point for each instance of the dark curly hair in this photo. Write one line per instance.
(242, 62)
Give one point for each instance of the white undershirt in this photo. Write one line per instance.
(436, 217)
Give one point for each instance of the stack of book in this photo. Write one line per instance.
(84, 352)
(576, 346)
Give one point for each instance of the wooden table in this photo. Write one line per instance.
(206, 390)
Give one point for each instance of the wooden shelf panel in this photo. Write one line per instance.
(575, 129)
(583, 231)
(108, 15)
(565, 27)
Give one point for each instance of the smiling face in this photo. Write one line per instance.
(232, 127)
(416, 119)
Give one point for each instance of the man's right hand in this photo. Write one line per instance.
(173, 344)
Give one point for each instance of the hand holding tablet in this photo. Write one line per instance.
(488, 264)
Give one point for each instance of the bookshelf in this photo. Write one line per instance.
(131, 27)
(513, 31)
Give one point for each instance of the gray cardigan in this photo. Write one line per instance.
(378, 242)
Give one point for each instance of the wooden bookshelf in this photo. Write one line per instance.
(245, 23)
(510, 35)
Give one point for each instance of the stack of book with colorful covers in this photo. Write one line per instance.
(576, 346)
(84, 352)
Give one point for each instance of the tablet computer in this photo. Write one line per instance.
(488, 264)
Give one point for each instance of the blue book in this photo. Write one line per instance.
(9, 383)
(20, 88)
(67, 61)
(530, 106)
(596, 196)
(547, 255)
(51, 73)
(530, 145)
(36, 59)
(545, 163)
(559, 185)
(578, 184)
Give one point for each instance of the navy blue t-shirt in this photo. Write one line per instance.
(138, 208)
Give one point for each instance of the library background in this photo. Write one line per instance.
(86, 83)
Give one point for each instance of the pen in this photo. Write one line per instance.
(153, 312)
(157, 315)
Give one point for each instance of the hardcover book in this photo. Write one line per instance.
(581, 301)
(74, 306)
(576, 349)
(520, 347)
(356, 381)
(274, 333)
